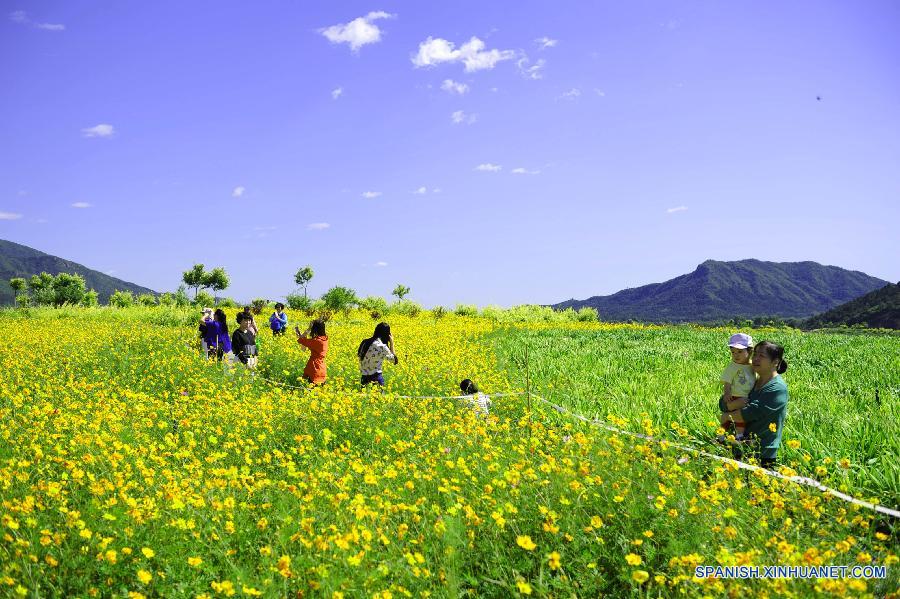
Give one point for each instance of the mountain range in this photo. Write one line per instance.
(717, 291)
(878, 309)
(18, 260)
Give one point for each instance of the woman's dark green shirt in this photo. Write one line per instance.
(765, 406)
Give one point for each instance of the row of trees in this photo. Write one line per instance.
(49, 290)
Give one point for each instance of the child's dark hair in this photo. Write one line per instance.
(468, 387)
(317, 328)
(382, 332)
(774, 352)
(241, 317)
(279, 306)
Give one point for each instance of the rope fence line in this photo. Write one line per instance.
(801, 480)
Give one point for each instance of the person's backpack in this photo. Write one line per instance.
(274, 322)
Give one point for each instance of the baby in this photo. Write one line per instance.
(738, 379)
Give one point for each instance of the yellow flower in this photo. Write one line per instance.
(525, 542)
(148, 553)
(553, 560)
(794, 444)
(596, 521)
(194, 561)
(250, 591)
(633, 559)
(112, 556)
(640, 576)
(144, 576)
(773, 427)
(523, 587)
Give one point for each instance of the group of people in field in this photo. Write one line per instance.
(240, 346)
(753, 402)
(754, 397)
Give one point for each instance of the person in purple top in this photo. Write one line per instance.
(217, 337)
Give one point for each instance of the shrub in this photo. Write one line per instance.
(121, 299)
(227, 302)
(295, 301)
(146, 299)
(495, 313)
(167, 299)
(181, 297)
(258, 305)
(439, 312)
(588, 315)
(466, 310)
(340, 299)
(90, 299)
(406, 308)
(204, 299)
(374, 303)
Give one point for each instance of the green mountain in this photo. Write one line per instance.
(879, 309)
(745, 289)
(22, 261)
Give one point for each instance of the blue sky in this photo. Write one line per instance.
(487, 153)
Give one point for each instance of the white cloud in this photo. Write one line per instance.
(531, 71)
(317, 226)
(358, 32)
(81, 205)
(461, 117)
(545, 42)
(264, 228)
(600, 92)
(101, 130)
(238, 191)
(371, 194)
(10, 216)
(487, 167)
(381, 264)
(571, 94)
(524, 171)
(21, 17)
(472, 54)
(337, 93)
(421, 191)
(454, 87)
(110, 272)
(676, 209)
(436, 190)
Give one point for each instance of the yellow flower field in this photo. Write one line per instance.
(131, 467)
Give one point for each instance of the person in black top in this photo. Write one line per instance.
(243, 342)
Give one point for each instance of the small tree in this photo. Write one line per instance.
(193, 278)
(203, 299)
(216, 279)
(90, 299)
(18, 285)
(340, 299)
(295, 301)
(181, 297)
(258, 305)
(303, 277)
(400, 291)
(146, 299)
(167, 299)
(121, 299)
(41, 288)
(68, 289)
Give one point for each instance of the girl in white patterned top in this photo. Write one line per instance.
(372, 353)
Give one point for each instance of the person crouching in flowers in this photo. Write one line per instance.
(278, 321)
(373, 351)
(243, 342)
(316, 341)
(767, 402)
(738, 379)
(478, 401)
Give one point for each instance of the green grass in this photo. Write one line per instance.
(671, 374)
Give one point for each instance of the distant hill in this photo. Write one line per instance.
(22, 261)
(879, 309)
(745, 289)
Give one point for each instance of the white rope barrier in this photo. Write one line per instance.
(801, 480)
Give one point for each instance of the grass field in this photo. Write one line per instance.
(130, 467)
